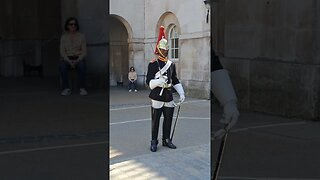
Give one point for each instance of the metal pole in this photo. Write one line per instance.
(220, 156)
(175, 123)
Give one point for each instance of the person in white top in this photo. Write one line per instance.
(73, 51)
(132, 76)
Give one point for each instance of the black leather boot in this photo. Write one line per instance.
(167, 142)
(154, 144)
(166, 128)
(155, 120)
(167, 121)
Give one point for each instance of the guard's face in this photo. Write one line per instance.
(164, 52)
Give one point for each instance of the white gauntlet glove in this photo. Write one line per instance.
(158, 82)
(179, 89)
(223, 90)
(230, 114)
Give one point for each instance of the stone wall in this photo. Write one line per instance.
(270, 48)
(194, 40)
(29, 33)
(194, 67)
(142, 19)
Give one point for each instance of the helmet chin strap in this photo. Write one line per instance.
(161, 56)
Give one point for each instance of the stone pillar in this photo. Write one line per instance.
(194, 64)
(137, 59)
(271, 52)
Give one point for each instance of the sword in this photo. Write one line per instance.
(175, 123)
(221, 150)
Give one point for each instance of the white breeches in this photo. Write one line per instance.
(158, 104)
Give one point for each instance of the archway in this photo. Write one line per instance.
(167, 19)
(119, 51)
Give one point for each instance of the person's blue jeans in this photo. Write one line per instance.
(64, 68)
(132, 85)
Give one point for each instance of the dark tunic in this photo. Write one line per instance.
(171, 73)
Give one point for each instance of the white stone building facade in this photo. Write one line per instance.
(134, 26)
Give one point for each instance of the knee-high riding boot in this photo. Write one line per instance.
(166, 128)
(155, 120)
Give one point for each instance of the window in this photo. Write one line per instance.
(174, 44)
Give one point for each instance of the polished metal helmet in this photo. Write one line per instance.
(163, 44)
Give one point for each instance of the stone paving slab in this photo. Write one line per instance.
(190, 163)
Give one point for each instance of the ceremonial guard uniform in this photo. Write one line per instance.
(161, 78)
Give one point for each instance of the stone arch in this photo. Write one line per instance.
(125, 23)
(120, 36)
(167, 19)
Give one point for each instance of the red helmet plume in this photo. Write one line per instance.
(160, 36)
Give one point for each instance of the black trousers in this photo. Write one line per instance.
(167, 121)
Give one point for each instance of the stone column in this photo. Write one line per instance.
(137, 59)
(194, 64)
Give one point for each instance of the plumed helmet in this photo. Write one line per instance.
(162, 42)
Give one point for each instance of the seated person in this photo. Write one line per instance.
(72, 50)
(132, 76)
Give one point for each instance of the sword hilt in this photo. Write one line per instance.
(162, 87)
